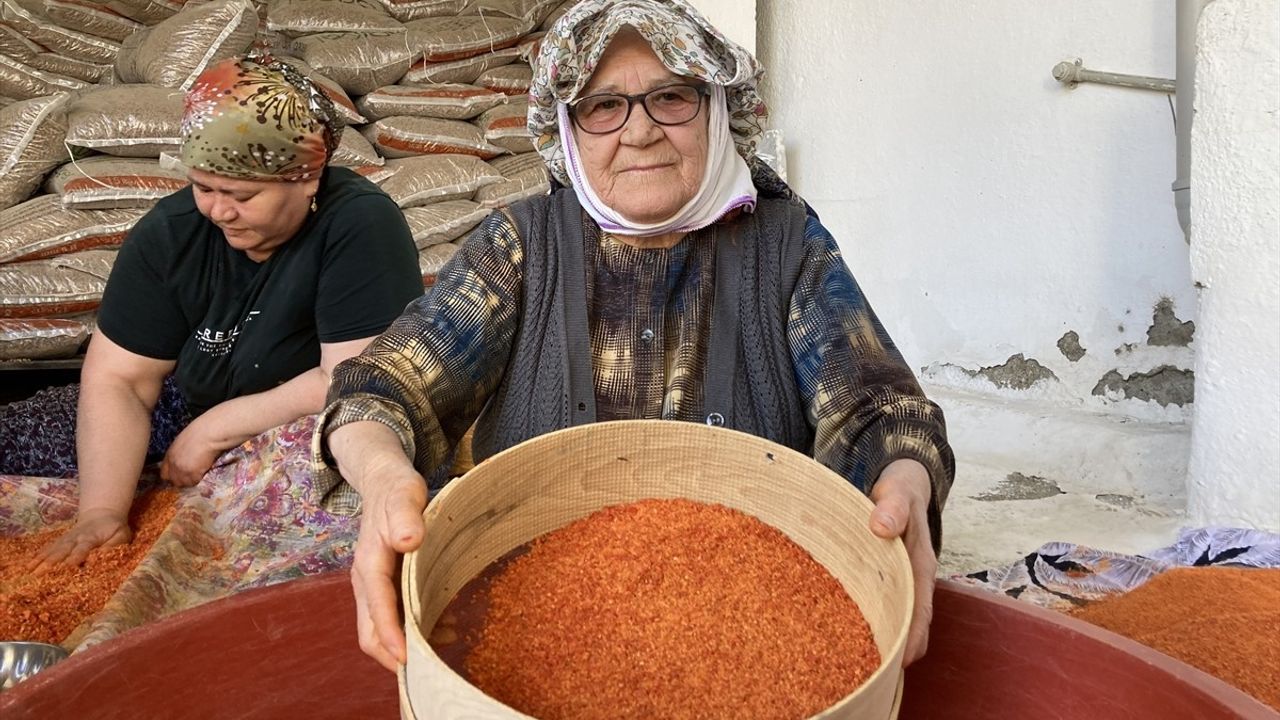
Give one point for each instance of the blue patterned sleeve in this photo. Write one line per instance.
(863, 402)
(429, 375)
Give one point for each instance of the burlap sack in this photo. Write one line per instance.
(444, 221)
(427, 179)
(15, 45)
(174, 52)
(63, 285)
(446, 39)
(41, 338)
(556, 14)
(401, 136)
(450, 101)
(354, 151)
(103, 182)
(459, 71)
(41, 228)
(91, 18)
(506, 126)
(127, 120)
(70, 67)
(513, 79)
(147, 12)
(526, 176)
(532, 13)
(293, 18)
(6, 101)
(433, 259)
(405, 10)
(56, 38)
(19, 80)
(31, 144)
(346, 109)
(359, 62)
(376, 174)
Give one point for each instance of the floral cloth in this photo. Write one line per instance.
(38, 435)
(257, 119)
(685, 42)
(254, 520)
(1061, 576)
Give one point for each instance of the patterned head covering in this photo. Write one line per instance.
(681, 38)
(257, 118)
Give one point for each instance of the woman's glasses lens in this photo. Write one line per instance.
(670, 105)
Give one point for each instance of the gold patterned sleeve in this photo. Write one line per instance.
(864, 404)
(430, 373)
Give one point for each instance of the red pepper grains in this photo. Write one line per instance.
(671, 609)
(1223, 620)
(50, 606)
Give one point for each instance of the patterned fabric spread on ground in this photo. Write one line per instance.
(1062, 576)
(254, 520)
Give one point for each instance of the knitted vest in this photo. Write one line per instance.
(750, 384)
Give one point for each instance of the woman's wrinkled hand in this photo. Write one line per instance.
(901, 495)
(190, 456)
(91, 531)
(390, 525)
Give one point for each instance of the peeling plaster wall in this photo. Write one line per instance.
(1235, 250)
(988, 211)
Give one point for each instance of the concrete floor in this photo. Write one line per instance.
(1030, 473)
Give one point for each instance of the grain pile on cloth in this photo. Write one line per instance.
(1211, 599)
(91, 97)
(254, 520)
(53, 606)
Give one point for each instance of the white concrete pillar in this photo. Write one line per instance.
(1234, 476)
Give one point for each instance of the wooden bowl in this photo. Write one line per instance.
(550, 481)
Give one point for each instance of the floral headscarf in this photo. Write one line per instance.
(682, 39)
(257, 118)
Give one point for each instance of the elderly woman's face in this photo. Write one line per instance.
(643, 170)
(255, 216)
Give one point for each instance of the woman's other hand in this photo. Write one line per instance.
(190, 456)
(390, 526)
(901, 495)
(394, 496)
(93, 529)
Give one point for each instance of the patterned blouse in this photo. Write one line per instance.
(649, 317)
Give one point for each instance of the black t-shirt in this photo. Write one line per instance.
(179, 292)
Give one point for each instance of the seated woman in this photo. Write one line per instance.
(666, 282)
(247, 287)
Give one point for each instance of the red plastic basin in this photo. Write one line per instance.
(290, 651)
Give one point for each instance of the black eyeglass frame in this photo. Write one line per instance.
(641, 98)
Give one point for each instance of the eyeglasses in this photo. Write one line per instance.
(667, 105)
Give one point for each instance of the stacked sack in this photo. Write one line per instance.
(434, 94)
(92, 100)
(441, 94)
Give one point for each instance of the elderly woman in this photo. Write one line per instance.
(247, 287)
(665, 283)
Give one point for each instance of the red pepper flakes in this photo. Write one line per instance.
(1223, 620)
(49, 607)
(672, 609)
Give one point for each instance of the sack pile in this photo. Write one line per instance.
(433, 94)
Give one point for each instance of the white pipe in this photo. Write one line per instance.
(1188, 17)
(1070, 73)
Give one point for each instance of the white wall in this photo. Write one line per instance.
(986, 209)
(735, 18)
(1235, 177)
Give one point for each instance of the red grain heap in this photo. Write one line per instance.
(672, 609)
(49, 607)
(1222, 620)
